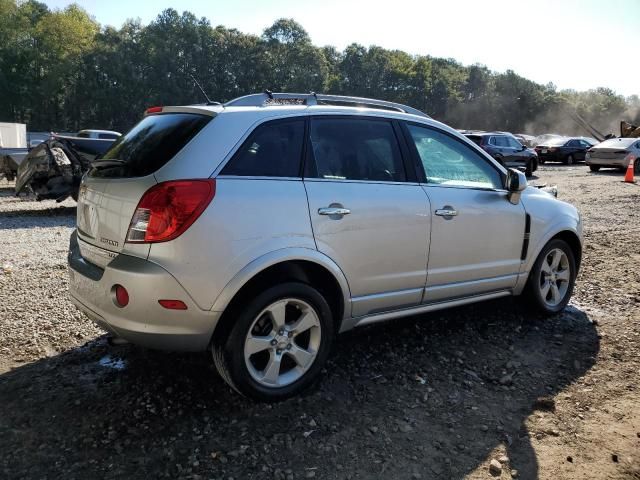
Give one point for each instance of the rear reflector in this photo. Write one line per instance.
(173, 304)
(122, 296)
(153, 110)
(168, 209)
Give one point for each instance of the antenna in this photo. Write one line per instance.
(209, 101)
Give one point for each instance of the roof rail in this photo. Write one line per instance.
(309, 99)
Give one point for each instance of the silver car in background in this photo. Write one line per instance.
(615, 153)
(260, 228)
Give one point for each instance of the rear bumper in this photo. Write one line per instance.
(609, 162)
(143, 321)
(550, 157)
(523, 163)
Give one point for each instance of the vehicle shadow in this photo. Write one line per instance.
(426, 397)
(38, 217)
(610, 172)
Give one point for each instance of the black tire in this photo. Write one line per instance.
(594, 168)
(636, 167)
(568, 160)
(532, 289)
(228, 352)
(542, 161)
(529, 170)
(500, 160)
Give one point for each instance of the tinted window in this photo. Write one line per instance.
(107, 136)
(513, 143)
(500, 141)
(447, 161)
(83, 135)
(572, 143)
(272, 150)
(356, 149)
(149, 145)
(477, 139)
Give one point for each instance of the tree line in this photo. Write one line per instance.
(62, 71)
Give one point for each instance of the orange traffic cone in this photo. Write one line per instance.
(628, 177)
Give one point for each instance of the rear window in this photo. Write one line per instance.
(617, 143)
(477, 139)
(149, 145)
(556, 142)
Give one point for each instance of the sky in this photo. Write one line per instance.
(574, 44)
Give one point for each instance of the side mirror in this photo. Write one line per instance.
(516, 183)
(523, 148)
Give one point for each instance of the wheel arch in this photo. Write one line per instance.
(568, 235)
(573, 241)
(302, 265)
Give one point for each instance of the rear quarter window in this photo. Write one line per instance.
(149, 145)
(274, 149)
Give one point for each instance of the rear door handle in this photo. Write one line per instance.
(446, 212)
(334, 211)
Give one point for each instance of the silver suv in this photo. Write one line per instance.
(261, 228)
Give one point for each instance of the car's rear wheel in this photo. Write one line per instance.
(552, 278)
(594, 168)
(636, 167)
(278, 343)
(541, 161)
(568, 160)
(529, 170)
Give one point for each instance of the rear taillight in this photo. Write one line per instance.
(166, 210)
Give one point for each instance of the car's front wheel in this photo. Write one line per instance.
(278, 342)
(594, 168)
(569, 160)
(552, 278)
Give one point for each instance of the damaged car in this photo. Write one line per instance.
(54, 168)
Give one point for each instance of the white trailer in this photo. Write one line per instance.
(13, 135)
(13, 148)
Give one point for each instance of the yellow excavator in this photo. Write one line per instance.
(627, 130)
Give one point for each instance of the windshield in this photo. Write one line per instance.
(617, 143)
(149, 145)
(556, 142)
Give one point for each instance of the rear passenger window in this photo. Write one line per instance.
(355, 149)
(502, 142)
(274, 149)
(449, 162)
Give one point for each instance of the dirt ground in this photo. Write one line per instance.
(436, 396)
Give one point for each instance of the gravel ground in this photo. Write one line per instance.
(484, 391)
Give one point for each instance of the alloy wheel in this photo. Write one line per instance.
(282, 342)
(555, 277)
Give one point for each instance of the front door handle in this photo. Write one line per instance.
(334, 211)
(447, 212)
